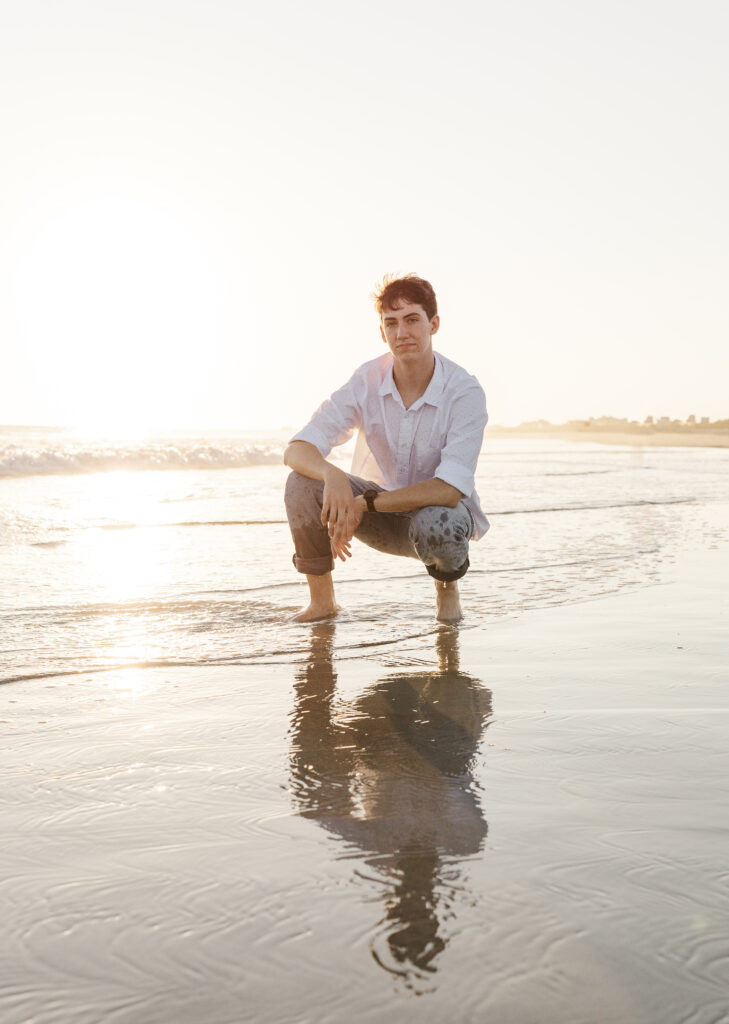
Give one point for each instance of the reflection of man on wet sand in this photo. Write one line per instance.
(420, 420)
(392, 775)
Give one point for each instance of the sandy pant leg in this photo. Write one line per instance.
(304, 498)
(440, 536)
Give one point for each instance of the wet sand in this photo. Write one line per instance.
(521, 821)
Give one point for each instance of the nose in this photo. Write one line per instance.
(402, 330)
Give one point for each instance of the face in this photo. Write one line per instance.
(407, 331)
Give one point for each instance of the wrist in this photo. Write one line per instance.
(369, 497)
(331, 472)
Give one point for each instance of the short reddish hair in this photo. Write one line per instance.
(409, 288)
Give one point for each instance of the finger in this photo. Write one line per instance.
(337, 514)
(338, 520)
(340, 547)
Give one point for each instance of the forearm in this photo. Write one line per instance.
(415, 496)
(304, 458)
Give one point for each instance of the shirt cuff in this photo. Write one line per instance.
(314, 436)
(458, 476)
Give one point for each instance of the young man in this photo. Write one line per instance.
(420, 420)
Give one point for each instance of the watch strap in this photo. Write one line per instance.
(369, 496)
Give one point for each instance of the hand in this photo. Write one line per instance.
(340, 534)
(339, 512)
(339, 543)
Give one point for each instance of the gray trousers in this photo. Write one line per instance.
(436, 535)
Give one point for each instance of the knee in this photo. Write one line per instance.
(441, 528)
(440, 537)
(302, 493)
(294, 486)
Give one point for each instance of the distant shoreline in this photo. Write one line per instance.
(640, 438)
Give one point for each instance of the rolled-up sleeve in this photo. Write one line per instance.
(334, 421)
(464, 438)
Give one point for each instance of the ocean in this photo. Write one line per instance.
(174, 550)
(213, 814)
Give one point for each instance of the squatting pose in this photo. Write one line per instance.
(420, 420)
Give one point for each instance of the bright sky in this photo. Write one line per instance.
(196, 199)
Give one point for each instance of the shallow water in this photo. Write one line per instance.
(192, 566)
(213, 815)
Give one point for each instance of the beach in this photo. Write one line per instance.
(210, 221)
(211, 814)
(696, 438)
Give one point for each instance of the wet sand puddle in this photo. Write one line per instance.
(387, 836)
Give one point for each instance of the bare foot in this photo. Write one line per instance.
(321, 600)
(447, 602)
(316, 612)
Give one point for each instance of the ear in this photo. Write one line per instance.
(382, 333)
(435, 324)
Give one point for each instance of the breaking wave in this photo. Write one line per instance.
(74, 459)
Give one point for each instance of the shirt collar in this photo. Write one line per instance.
(432, 393)
(388, 383)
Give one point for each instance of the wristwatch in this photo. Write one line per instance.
(369, 497)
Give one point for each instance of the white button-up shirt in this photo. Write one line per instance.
(440, 435)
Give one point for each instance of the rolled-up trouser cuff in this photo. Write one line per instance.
(313, 566)
(448, 577)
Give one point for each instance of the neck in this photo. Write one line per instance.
(412, 380)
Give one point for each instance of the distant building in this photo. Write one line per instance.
(649, 421)
(704, 421)
(664, 421)
(691, 420)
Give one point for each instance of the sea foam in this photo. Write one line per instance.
(68, 458)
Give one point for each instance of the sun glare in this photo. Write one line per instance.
(117, 304)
